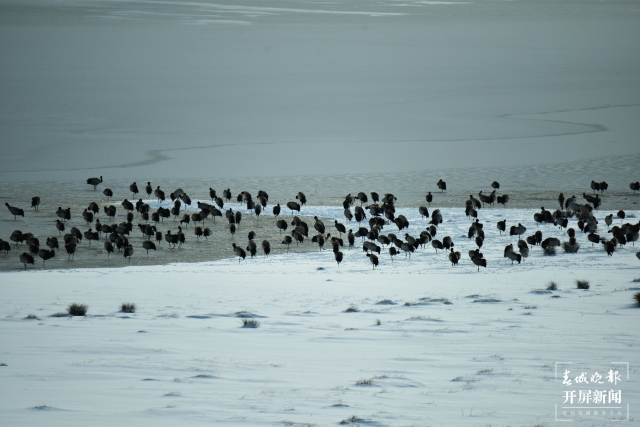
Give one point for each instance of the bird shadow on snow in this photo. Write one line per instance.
(46, 408)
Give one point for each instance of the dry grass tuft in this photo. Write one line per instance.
(250, 323)
(352, 309)
(582, 284)
(549, 250)
(128, 307)
(76, 309)
(637, 298)
(352, 420)
(552, 286)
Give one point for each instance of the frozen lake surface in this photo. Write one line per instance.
(179, 89)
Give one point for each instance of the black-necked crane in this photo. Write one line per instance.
(134, 189)
(108, 246)
(454, 257)
(26, 258)
(95, 182)
(429, 198)
(293, 206)
(240, 253)
(45, 255)
(14, 211)
(128, 252)
(374, 260)
(148, 245)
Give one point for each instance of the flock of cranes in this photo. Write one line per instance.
(381, 213)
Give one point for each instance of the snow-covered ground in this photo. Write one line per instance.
(453, 346)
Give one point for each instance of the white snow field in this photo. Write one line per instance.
(453, 347)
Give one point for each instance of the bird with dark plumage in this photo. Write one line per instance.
(266, 247)
(502, 226)
(95, 182)
(302, 198)
(35, 202)
(454, 257)
(252, 248)
(134, 189)
(429, 198)
(128, 252)
(14, 211)
(45, 255)
(148, 245)
(373, 259)
(26, 258)
(424, 212)
(293, 206)
(240, 253)
(107, 192)
(477, 259)
(337, 255)
(495, 184)
(392, 252)
(159, 194)
(108, 246)
(442, 185)
(635, 186)
(287, 241)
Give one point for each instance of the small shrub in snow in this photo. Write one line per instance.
(76, 309)
(549, 250)
(365, 382)
(636, 280)
(250, 323)
(352, 309)
(582, 284)
(378, 322)
(637, 298)
(552, 286)
(32, 316)
(128, 307)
